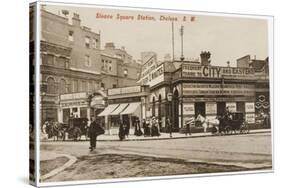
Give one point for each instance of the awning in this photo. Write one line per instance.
(119, 109)
(108, 109)
(132, 108)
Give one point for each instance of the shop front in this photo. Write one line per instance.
(74, 104)
(124, 107)
(209, 90)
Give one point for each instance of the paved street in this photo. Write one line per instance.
(251, 151)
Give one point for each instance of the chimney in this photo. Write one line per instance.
(109, 45)
(76, 20)
(228, 64)
(205, 58)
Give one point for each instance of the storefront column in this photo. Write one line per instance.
(60, 114)
(106, 123)
(89, 113)
(78, 112)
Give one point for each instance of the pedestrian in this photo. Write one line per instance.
(169, 126)
(121, 133)
(127, 129)
(187, 126)
(94, 131)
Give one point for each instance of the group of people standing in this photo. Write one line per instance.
(148, 127)
(151, 127)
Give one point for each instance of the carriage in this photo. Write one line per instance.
(78, 128)
(234, 123)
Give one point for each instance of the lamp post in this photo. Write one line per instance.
(169, 97)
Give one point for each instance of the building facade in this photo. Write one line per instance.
(197, 88)
(70, 66)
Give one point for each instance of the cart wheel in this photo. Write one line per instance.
(228, 130)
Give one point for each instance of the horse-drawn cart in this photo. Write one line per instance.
(233, 123)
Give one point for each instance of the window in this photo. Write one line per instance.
(83, 86)
(114, 86)
(94, 43)
(51, 87)
(110, 66)
(125, 72)
(87, 42)
(44, 59)
(50, 59)
(103, 64)
(70, 36)
(102, 85)
(87, 61)
(63, 86)
(75, 85)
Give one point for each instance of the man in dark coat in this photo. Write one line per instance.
(94, 131)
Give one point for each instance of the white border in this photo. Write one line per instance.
(270, 20)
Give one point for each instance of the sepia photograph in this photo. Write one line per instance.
(130, 93)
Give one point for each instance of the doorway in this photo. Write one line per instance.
(220, 108)
(200, 109)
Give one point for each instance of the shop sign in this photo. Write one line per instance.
(153, 77)
(250, 118)
(191, 70)
(218, 89)
(188, 109)
(124, 90)
(249, 107)
(73, 96)
(211, 108)
(78, 103)
(231, 106)
(97, 101)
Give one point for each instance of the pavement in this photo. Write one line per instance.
(163, 136)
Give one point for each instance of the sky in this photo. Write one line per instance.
(227, 38)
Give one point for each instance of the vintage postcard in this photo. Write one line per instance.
(123, 94)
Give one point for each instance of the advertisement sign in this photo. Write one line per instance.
(73, 96)
(211, 108)
(188, 109)
(191, 70)
(153, 77)
(218, 89)
(124, 90)
(231, 106)
(250, 118)
(249, 107)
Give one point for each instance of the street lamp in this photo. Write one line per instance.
(170, 97)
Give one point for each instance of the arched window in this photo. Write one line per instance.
(63, 86)
(51, 87)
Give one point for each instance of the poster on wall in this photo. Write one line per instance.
(211, 108)
(188, 109)
(249, 107)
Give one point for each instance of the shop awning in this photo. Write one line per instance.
(119, 109)
(108, 109)
(133, 108)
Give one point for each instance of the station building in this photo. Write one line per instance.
(195, 87)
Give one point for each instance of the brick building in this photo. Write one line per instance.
(70, 63)
(75, 71)
(118, 67)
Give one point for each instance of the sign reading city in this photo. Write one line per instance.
(199, 71)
